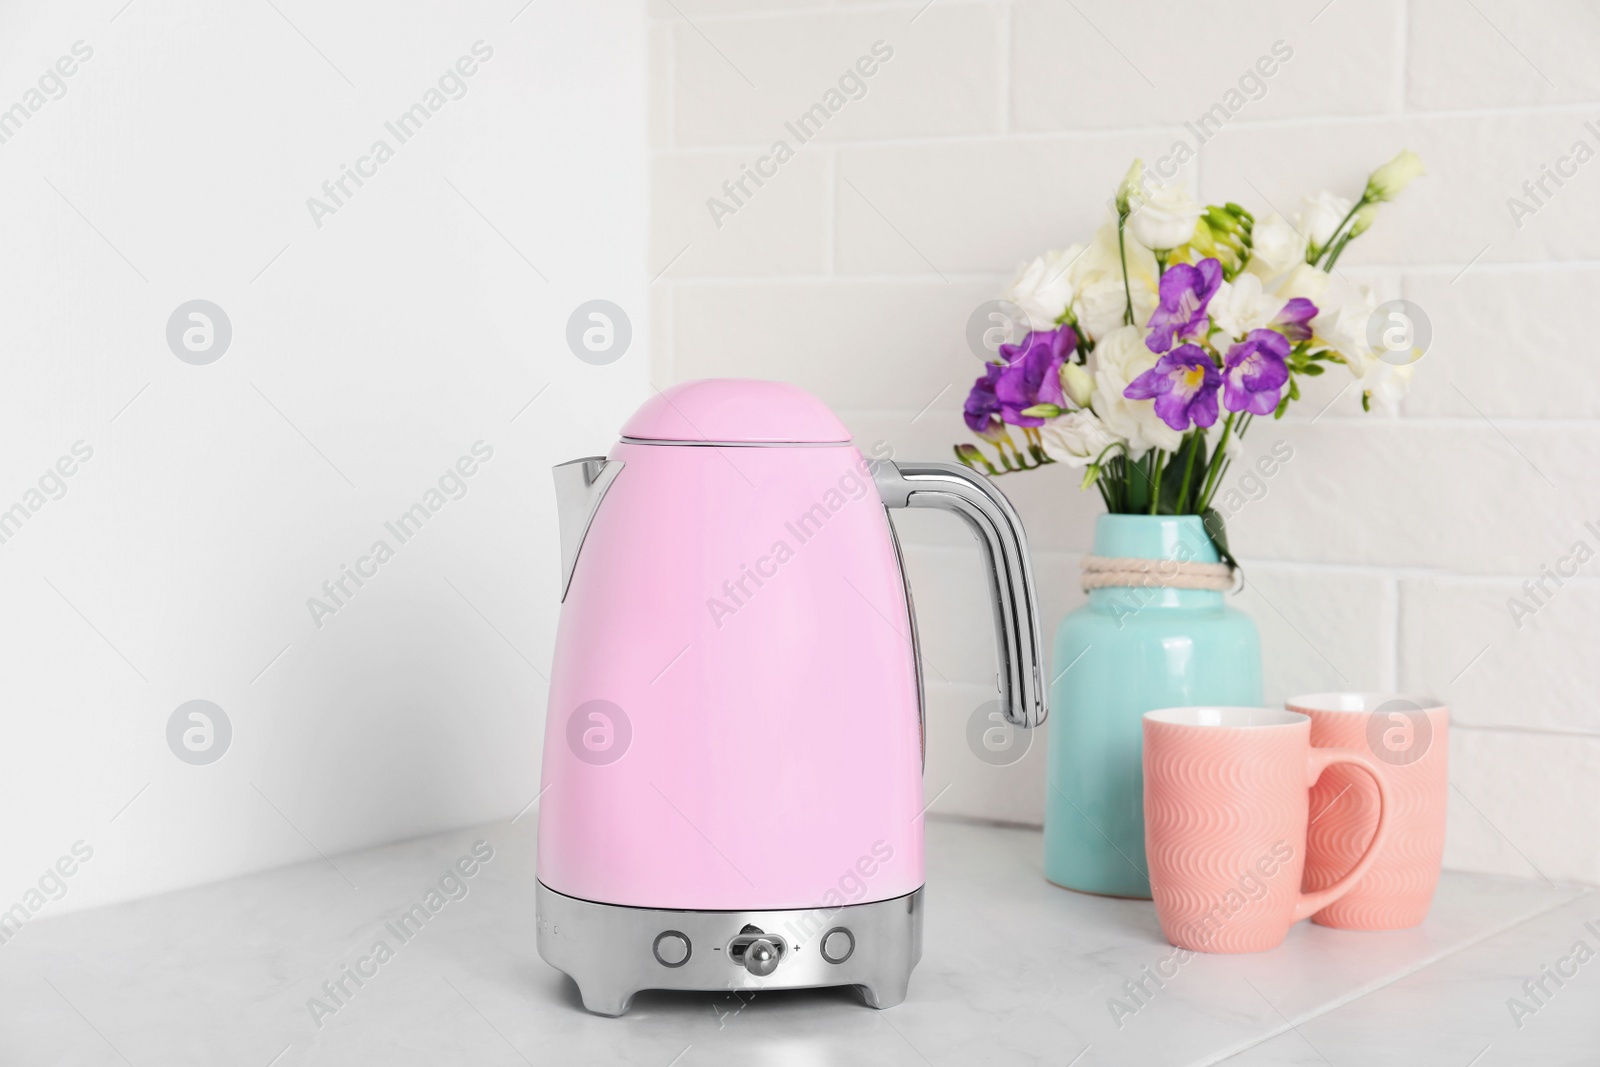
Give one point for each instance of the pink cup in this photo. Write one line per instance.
(1409, 737)
(1226, 805)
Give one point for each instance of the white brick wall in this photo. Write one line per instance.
(1385, 552)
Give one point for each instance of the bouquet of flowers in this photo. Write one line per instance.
(1145, 355)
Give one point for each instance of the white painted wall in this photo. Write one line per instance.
(368, 354)
(1384, 553)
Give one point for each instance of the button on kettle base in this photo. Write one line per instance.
(672, 949)
(613, 951)
(838, 944)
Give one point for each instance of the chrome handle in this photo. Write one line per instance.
(580, 486)
(1005, 548)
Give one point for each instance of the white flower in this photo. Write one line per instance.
(1389, 180)
(1076, 438)
(1044, 287)
(1119, 358)
(1100, 306)
(1304, 280)
(1163, 217)
(1076, 383)
(1242, 305)
(1343, 328)
(1101, 300)
(1385, 384)
(1320, 216)
(1276, 246)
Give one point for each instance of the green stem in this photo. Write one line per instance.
(1333, 238)
(1227, 465)
(1216, 463)
(1155, 486)
(1336, 251)
(1100, 484)
(1122, 250)
(1223, 467)
(1188, 471)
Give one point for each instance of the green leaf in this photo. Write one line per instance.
(1140, 483)
(1211, 518)
(1283, 405)
(1172, 480)
(1313, 369)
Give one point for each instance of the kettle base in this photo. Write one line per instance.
(613, 951)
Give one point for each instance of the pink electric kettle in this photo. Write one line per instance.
(733, 753)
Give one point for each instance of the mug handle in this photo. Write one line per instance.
(1320, 760)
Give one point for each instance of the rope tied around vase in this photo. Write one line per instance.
(1107, 572)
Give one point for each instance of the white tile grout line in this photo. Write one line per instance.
(1526, 731)
(1517, 422)
(1373, 271)
(822, 8)
(987, 684)
(1298, 566)
(1577, 110)
(1375, 986)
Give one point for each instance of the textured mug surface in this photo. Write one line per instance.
(1227, 800)
(1408, 735)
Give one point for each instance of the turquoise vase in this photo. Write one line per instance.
(1129, 651)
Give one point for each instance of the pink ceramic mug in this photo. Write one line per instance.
(1408, 735)
(1226, 804)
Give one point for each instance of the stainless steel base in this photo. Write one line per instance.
(613, 951)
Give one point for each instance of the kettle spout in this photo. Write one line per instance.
(580, 485)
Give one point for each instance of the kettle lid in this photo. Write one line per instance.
(746, 411)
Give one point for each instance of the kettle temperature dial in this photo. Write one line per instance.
(757, 951)
(761, 957)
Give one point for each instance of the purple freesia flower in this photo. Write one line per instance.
(1185, 291)
(982, 409)
(1184, 384)
(1294, 321)
(1254, 372)
(1032, 374)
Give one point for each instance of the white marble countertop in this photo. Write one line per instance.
(1014, 971)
